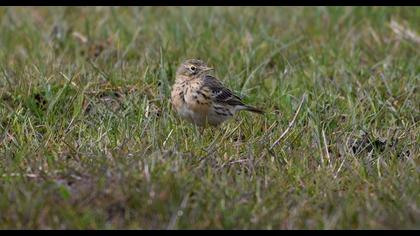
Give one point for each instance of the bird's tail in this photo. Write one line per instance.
(253, 109)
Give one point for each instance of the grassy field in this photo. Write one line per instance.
(88, 138)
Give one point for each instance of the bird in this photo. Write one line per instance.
(201, 99)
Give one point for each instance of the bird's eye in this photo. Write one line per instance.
(193, 68)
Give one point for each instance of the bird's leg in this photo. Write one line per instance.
(204, 127)
(201, 129)
(224, 132)
(198, 131)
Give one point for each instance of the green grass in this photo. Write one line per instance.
(88, 139)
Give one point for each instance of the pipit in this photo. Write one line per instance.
(201, 98)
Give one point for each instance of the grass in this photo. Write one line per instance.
(88, 139)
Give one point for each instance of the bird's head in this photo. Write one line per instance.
(193, 67)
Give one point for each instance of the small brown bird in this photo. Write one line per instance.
(201, 98)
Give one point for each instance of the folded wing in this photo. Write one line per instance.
(221, 94)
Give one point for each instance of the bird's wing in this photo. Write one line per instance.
(219, 93)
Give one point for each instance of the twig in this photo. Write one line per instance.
(19, 175)
(169, 135)
(176, 215)
(339, 168)
(404, 32)
(326, 147)
(290, 124)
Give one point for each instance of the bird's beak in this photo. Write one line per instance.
(207, 68)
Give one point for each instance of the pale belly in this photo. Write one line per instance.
(201, 119)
